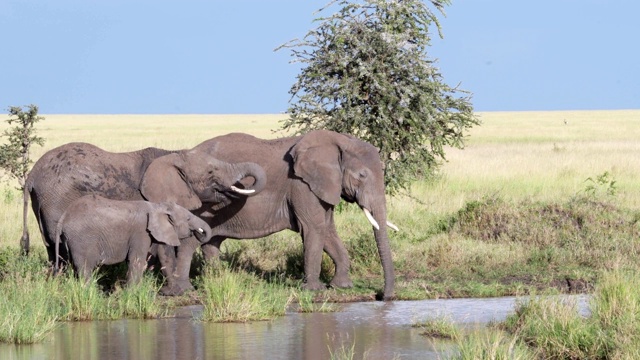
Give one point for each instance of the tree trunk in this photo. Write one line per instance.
(24, 241)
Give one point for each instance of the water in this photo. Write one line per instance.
(376, 330)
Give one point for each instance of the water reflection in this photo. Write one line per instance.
(376, 330)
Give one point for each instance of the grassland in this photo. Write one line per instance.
(537, 201)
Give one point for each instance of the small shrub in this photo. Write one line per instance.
(603, 184)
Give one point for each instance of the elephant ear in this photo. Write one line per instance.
(161, 229)
(316, 159)
(165, 180)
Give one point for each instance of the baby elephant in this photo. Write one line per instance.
(102, 231)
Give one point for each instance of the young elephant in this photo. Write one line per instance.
(99, 231)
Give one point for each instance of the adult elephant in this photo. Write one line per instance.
(186, 177)
(307, 177)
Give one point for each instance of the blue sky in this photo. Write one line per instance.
(217, 57)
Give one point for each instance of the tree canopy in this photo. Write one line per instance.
(14, 154)
(366, 72)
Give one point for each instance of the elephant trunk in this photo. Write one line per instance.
(384, 250)
(249, 169)
(200, 229)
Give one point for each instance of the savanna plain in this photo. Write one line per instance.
(536, 203)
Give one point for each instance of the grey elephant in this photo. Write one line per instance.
(100, 231)
(308, 175)
(66, 173)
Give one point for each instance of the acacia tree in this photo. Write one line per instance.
(14, 154)
(366, 72)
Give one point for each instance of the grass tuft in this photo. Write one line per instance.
(229, 296)
(27, 314)
(493, 345)
(306, 302)
(439, 327)
(140, 301)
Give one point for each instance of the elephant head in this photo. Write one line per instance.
(339, 166)
(190, 178)
(169, 223)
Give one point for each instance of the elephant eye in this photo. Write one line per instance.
(363, 174)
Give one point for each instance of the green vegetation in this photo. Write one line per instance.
(551, 327)
(558, 331)
(15, 153)
(439, 327)
(531, 206)
(306, 301)
(230, 296)
(34, 301)
(27, 311)
(344, 352)
(366, 72)
(494, 345)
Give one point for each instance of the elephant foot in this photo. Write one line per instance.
(341, 283)
(176, 289)
(314, 286)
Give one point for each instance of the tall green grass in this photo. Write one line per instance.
(492, 345)
(229, 296)
(558, 331)
(27, 313)
(34, 301)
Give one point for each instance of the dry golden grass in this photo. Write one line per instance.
(516, 155)
(132, 132)
(539, 156)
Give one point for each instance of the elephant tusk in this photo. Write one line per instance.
(371, 219)
(242, 191)
(200, 231)
(392, 225)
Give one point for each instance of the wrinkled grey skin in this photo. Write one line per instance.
(66, 173)
(100, 231)
(307, 177)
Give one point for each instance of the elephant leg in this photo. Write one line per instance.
(313, 221)
(334, 247)
(313, 244)
(211, 250)
(135, 270)
(183, 264)
(84, 272)
(167, 257)
(51, 253)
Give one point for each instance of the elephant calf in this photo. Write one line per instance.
(99, 231)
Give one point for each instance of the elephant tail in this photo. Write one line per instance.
(26, 190)
(56, 266)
